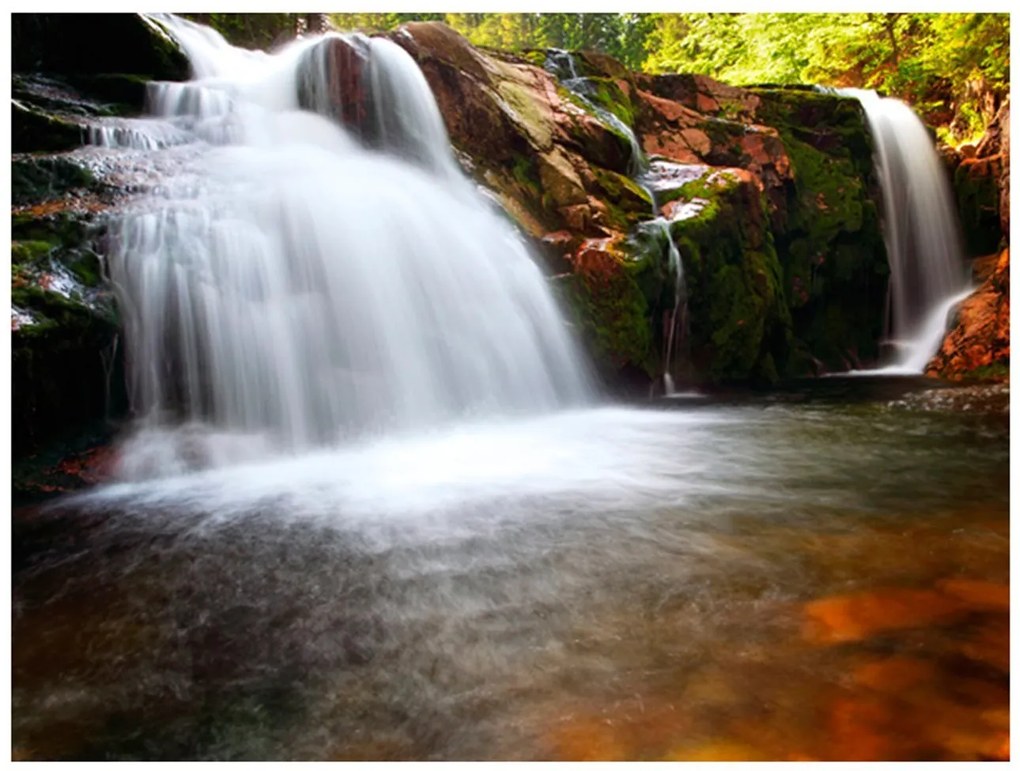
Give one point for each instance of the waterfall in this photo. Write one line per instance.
(287, 281)
(563, 65)
(927, 275)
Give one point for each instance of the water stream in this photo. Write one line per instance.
(921, 229)
(563, 64)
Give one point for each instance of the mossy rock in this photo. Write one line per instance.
(627, 203)
(62, 354)
(41, 178)
(607, 94)
(835, 268)
(123, 93)
(93, 43)
(609, 306)
(34, 130)
(739, 321)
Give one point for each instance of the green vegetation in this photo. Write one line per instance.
(953, 67)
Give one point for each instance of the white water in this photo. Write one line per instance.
(921, 232)
(290, 288)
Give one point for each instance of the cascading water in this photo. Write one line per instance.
(563, 65)
(283, 280)
(921, 232)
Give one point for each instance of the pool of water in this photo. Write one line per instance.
(817, 574)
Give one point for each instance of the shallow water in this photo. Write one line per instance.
(818, 574)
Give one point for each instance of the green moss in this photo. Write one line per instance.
(613, 318)
(33, 131)
(835, 270)
(606, 93)
(29, 251)
(996, 372)
(740, 324)
(35, 179)
(627, 202)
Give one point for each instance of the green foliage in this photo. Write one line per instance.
(953, 67)
(251, 30)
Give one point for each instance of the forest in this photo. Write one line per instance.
(952, 67)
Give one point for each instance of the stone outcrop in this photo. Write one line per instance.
(978, 345)
(769, 193)
(981, 180)
(66, 370)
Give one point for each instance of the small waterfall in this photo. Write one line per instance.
(921, 232)
(563, 65)
(288, 282)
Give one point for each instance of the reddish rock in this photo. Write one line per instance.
(344, 96)
(853, 617)
(980, 335)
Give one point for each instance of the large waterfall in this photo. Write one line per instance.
(286, 279)
(927, 276)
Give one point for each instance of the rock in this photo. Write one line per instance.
(977, 347)
(93, 43)
(827, 231)
(855, 617)
(981, 181)
(331, 81)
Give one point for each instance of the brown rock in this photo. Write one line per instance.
(982, 594)
(853, 617)
(980, 336)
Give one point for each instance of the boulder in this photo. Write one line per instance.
(977, 347)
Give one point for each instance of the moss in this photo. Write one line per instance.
(996, 372)
(740, 325)
(525, 174)
(35, 179)
(627, 203)
(23, 252)
(33, 130)
(835, 270)
(612, 314)
(607, 94)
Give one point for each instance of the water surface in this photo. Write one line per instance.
(817, 574)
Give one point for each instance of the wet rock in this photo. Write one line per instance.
(92, 43)
(977, 346)
(331, 81)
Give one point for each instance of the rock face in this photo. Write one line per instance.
(65, 362)
(981, 180)
(768, 193)
(978, 345)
